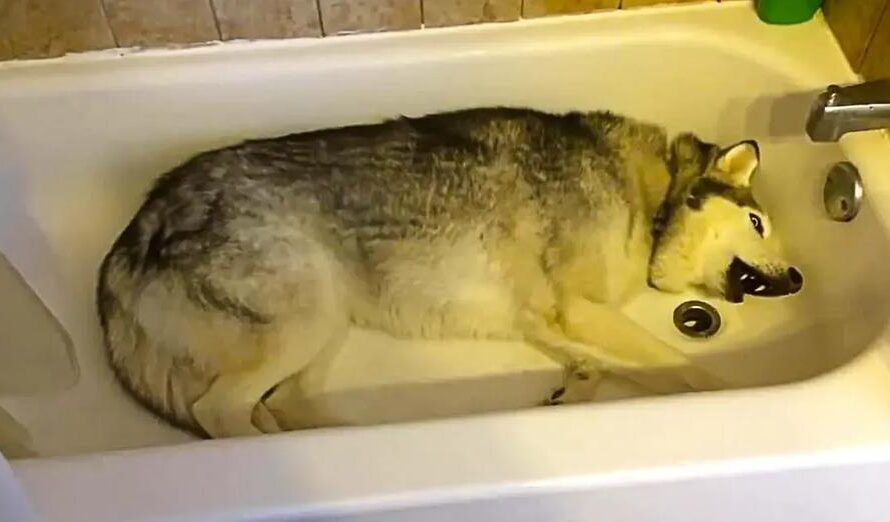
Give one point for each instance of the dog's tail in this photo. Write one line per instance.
(160, 377)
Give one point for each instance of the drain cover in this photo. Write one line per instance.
(843, 192)
(697, 319)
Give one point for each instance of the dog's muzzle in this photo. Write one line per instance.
(742, 278)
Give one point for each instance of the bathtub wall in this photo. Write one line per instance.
(862, 27)
(46, 28)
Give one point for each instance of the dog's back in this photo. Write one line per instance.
(347, 224)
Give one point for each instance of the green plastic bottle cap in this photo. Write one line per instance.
(785, 12)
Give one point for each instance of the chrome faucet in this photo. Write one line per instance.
(839, 110)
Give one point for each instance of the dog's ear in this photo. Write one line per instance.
(689, 159)
(737, 164)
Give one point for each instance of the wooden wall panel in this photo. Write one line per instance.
(877, 58)
(854, 23)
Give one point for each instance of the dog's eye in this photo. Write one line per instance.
(756, 223)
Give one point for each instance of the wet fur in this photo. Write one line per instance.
(246, 262)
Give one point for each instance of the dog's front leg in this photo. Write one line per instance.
(581, 364)
(631, 351)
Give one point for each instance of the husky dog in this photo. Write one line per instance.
(245, 263)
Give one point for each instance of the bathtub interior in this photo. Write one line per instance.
(81, 140)
(48, 363)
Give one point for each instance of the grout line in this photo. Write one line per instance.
(871, 39)
(104, 11)
(215, 20)
(320, 18)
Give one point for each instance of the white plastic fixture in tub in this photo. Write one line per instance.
(82, 137)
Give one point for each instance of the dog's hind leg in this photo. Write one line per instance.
(287, 344)
(228, 407)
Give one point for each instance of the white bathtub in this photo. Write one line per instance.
(81, 138)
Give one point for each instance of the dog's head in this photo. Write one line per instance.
(710, 233)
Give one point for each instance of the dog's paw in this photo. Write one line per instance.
(264, 419)
(580, 384)
(701, 380)
(555, 398)
(220, 424)
(580, 371)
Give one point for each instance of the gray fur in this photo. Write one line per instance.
(225, 218)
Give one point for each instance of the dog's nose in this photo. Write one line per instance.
(795, 280)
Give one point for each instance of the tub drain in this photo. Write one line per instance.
(697, 319)
(843, 191)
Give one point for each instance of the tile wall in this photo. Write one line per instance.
(47, 28)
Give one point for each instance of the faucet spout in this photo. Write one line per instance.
(839, 110)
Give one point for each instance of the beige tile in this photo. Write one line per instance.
(534, 8)
(349, 16)
(42, 28)
(641, 3)
(877, 57)
(440, 13)
(853, 23)
(267, 18)
(148, 23)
